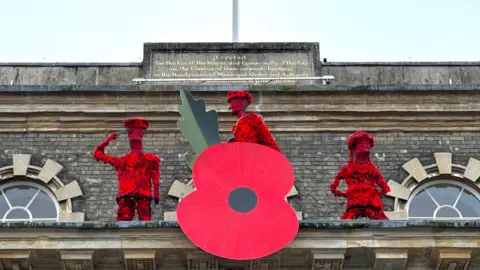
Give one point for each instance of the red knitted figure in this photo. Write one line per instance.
(362, 178)
(250, 127)
(137, 172)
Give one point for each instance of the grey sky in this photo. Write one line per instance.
(348, 30)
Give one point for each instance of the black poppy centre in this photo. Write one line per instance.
(242, 199)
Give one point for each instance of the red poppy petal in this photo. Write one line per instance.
(216, 166)
(201, 215)
(231, 165)
(270, 227)
(258, 233)
(268, 171)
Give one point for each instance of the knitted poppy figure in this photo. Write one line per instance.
(137, 173)
(250, 127)
(361, 177)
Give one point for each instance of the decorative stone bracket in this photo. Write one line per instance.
(272, 262)
(389, 258)
(201, 261)
(136, 259)
(417, 173)
(326, 259)
(15, 260)
(77, 259)
(451, 259)
(180, 190)
(47, 175)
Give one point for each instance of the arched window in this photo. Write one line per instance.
(443, 199)
(25, 201)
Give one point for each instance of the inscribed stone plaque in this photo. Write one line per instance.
(170, 65)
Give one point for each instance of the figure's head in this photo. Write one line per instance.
(360, 142)
(239, 100)
(136, 127)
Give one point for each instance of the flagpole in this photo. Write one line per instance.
(234, 20)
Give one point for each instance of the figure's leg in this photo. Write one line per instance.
(352, 213)
(376, 214)
(144, 210)
(126, 209)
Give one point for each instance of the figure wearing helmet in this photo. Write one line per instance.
(362, 178)
(250, 127)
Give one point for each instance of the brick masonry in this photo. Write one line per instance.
(316, 158)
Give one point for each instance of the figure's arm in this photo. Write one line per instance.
(264, 136)
(380, 181)
(336, 183)
(100, 155)
(156, 179)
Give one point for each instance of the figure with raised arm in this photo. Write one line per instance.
(362, 178)
(250, 127)
(138, 173)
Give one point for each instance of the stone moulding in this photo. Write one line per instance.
(46, 176)
(310, 111)
(417, 173)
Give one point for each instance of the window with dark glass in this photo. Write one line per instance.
(27, 203)
(444, 200)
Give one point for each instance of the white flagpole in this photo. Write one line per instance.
(235, 20)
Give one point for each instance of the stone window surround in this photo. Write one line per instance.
(46, 176)
(418, 175)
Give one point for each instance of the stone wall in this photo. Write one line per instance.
(316, 158)
(404, 73)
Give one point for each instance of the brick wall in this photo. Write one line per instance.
(315, 156)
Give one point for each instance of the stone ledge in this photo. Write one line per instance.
(304, 224)
(251, 88)
(405, 64)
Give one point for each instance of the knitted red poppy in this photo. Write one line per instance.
(138, 172)
(363, 197)
(136, 126)
(354, 138)
(251, 128)
(239, 94)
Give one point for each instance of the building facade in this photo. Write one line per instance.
(423, 116)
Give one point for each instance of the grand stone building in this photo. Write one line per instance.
(424, 117)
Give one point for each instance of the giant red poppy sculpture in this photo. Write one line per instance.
(238, 211)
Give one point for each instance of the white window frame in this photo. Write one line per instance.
(33, 185)
(422, 187)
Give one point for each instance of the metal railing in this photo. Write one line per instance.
(324, 79)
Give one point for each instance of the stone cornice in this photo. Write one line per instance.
(173, 238)
(318, 245)
(309, 111)
(308, 225)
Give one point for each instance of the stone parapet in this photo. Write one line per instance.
(239, 60)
